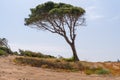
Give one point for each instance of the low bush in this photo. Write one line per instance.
(100, 71)
(54, 63)
(34, 54)
(89, 72)
(5, 51)
(2, 53)
(50, 63)
(103, 71)
(16, 53)
(68, 59)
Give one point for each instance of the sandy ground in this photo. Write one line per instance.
(10, 71)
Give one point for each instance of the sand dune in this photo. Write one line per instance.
(10, 71)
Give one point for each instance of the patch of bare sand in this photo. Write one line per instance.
(10, 71)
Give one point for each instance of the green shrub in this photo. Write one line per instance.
(34, 54)
(68, 59)
(89, 72)
(50, 63)
(100, 71)
(2, 53)
(103, 71)
(15, 53)
(6, 50)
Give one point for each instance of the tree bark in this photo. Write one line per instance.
(72, 45)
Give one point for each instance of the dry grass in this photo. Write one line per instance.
(101, 68)
(114, 67)
(50, 63)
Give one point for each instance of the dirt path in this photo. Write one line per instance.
(10, 71)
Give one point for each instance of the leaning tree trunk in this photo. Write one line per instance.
(72, 45)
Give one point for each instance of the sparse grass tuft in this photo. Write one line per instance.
(68, 59)
(99, 71)
(102, 71)
(114, 67)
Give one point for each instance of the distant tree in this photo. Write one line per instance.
(4, 45)
(4, 42)
(59, 18)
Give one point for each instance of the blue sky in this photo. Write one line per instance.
(98, 41)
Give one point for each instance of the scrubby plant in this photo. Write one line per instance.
(2, 53)
(89, 72)
(54, 63)
(68, 59)
(50, 63)
(102, 71)
(5, 51)
(34, 54)
(99, 70)
(15, 53)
